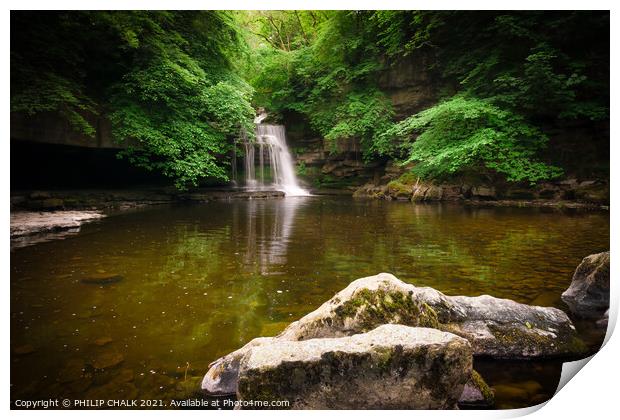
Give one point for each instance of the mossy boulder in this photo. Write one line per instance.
(434, 193)
(400, 191)
(588, 294)
(494, 327)
(390, 367)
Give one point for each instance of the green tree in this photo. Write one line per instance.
(181, 101)
(167, 81)
(471, 135)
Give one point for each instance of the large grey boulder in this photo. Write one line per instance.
(494, 327)
(588, 294)
(390, 367)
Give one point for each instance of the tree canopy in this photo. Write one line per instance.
(180, 86)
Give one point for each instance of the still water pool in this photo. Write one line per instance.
(196, 282)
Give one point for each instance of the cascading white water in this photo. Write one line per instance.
(271, 139)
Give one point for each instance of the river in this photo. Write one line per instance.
(193, 282)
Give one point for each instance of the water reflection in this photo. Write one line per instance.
(268, 232)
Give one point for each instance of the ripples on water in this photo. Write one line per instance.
(201, 280)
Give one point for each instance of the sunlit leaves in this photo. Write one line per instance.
(466, 133)
(179, 111)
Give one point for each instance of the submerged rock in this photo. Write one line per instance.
(495, 327)
(390, 367)
(102, 341)
(519, 394)
(187, 388)
(588, 294)
(23, 350)
(107, 360)
(74, 370)
(102, 279)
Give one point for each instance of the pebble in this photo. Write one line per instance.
(102, 341)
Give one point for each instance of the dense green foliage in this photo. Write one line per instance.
(501, 77)
(180, 99)
(179, 87)
(169, 84)
(474, 134)
(331, 81)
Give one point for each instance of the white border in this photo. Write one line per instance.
(591, 395)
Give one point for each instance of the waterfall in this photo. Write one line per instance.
(271, 141)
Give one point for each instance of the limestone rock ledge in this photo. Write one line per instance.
(390, 367)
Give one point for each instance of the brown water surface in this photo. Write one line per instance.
(199, 281)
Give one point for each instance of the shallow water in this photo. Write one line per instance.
(199, 281)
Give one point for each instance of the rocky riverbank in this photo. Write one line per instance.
(570, 193)
(39, 216)
(28, 227)
(110, 200)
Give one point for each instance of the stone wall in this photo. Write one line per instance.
(51, 128)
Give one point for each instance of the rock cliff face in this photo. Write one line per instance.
(410, 85)
(54, 129)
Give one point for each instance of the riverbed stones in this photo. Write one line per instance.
(74, 370)
(390, 367)
(107, 360)
(588, 294)
(499, 328)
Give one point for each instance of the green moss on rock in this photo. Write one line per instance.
(482, 386)
(385, 307)
(397, 190)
